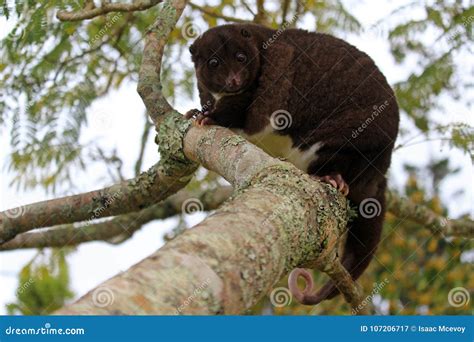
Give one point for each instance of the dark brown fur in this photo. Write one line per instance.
(330, 89)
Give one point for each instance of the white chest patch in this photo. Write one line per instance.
(218, 96)
(281, 146)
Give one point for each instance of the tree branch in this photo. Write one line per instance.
(209, 200)
(149, 82)
(171, 174)
(92, 11)
(132, 195)
(284, 11)
(217, 15)
(279, 218)
(145, 134)
(122, 226)
(419, 213)
(261, 16)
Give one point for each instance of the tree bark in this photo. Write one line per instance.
(121, 227)
(162, 180)
(89, 13)
(150, 187)
(279, 218)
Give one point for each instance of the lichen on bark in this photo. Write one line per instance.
(170, 137)
(281, 219)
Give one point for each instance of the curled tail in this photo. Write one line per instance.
(362, 239)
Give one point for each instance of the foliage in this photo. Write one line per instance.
(43, 285)
(413, 271)
(51, 72)
(448, 26)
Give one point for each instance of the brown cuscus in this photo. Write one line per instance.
(316, 101)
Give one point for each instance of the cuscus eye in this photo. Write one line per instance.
(213, 62)
(241, 57)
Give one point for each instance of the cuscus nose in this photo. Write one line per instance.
(233, 81)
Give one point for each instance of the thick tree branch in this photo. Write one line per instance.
(149, 82)
(126, 225)
(400, 207)
(150, 187)
(122, 226)
(278, 219)
(90, 12)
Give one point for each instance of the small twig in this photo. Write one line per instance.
(348, 287)
(284, 8)
(399, 147)
(247, 7)
(218, 15)
(298, 11)
(141, 153)
(261, 16)
(423, 215)
(89, 13)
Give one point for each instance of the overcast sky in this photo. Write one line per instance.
(122, 112)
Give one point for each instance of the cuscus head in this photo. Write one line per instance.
(226, 59)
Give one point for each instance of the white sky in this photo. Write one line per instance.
(122, 111)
